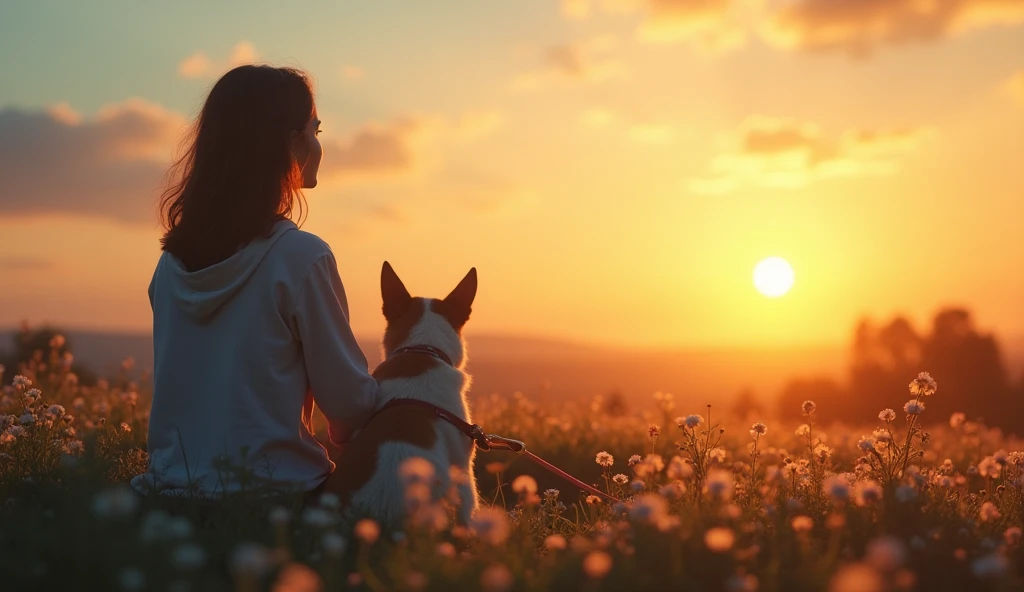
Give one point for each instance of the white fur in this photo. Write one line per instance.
(445, 386)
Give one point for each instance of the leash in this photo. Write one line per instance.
(488, 442)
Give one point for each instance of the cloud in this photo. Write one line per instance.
(1015, 87)
(650, 133)
(352, 73)
(860, 27)
(26, 264)
(113, 165)
(771, 152)
(200, 65)
(634, 131)
(110, 165)
(585, 61)
(711, 26)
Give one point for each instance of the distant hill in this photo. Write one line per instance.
(541, 368)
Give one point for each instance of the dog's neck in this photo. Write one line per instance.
(441, 385)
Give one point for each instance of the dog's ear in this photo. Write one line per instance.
(460, 301)
(392, 290)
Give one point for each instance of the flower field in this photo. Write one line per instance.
(901, 501)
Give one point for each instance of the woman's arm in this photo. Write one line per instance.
(339, 375)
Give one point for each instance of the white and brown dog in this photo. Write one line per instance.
(424, 358)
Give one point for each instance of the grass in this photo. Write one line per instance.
(903, 502)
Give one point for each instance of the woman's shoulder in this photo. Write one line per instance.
(299, 246)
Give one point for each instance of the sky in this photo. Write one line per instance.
(614, 169)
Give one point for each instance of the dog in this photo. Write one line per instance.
(424, 360)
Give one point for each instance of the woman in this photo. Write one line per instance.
(250, 319)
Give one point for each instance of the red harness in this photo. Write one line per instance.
(487, 442)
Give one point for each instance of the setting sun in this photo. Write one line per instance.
(773, 277)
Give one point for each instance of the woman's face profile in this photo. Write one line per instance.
(307, 151)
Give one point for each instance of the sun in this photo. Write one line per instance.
(773, 277)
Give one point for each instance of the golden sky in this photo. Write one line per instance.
(614, 169)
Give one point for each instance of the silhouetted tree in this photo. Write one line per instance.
(830, 396)
(36, 344)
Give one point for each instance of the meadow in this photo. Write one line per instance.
(900, 501)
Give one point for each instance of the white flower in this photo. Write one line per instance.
(693, 421)
(620, 479)
(887, 415)
(490, 525)
(524, 484)
(866, 444)
(115, 502)
(188, 556)
(803, 430)
(758, 429)
(808, 407)
(956, 420)
(604, 459)
(924, 385)
(334, 544)
(250, 558)
(550, 495)
(21, 382)
(989, 512)
(633, 460)
(415, 470)
(597, 564)
(914, 407)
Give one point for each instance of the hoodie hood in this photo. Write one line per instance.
(200, 293)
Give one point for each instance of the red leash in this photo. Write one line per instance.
(492, 442)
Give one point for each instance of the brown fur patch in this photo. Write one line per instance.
(405, 365)
(398, 330)
(455, 318)
(358, 460)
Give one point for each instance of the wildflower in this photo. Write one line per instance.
(367, 531)
(989, 512)
(673, 490)
(620, 479)
(638, 485)
(802, 524)
(1012, 536)
(886, 553)
(837, 488)
(496, 578)
(57, 341)
(808, 407)
(822, 452)
(33, 394)
(126, 428)
(867, 492)
(131, 579)
(415, 470)
(279, 516)
(991, 566)
(490, 525)
(604, 459)
(297, 577)
(717, 454)
(758, 429)
(678, 468)
(653, 431)
(597, 564)
(906, 493)
(691, 421)
(115, 502)
(633, 460)
(334, 544)
(21, 382)
(555, 542)
(318, 517)
(593, 499)
(524, 485)
(188, 556)
(924, 385)
(27, 419)
(803, 430)
(866, 443)
(887, 415)
(720, 483)
(956, 420)
(250, 559)
(550, 495)
(856, 577)
(989, 467)
(649, 508)
(719, 539)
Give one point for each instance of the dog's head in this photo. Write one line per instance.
(426, 321)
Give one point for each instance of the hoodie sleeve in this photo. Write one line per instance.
(339, 376)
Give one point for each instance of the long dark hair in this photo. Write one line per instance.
(237, 177)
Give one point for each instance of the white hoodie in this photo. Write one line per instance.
(242, 349)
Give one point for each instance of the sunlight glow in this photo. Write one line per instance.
(773, 277)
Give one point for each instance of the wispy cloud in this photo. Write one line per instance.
(784, 153)
(574, 62)
(861, 27)
(200, 65)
